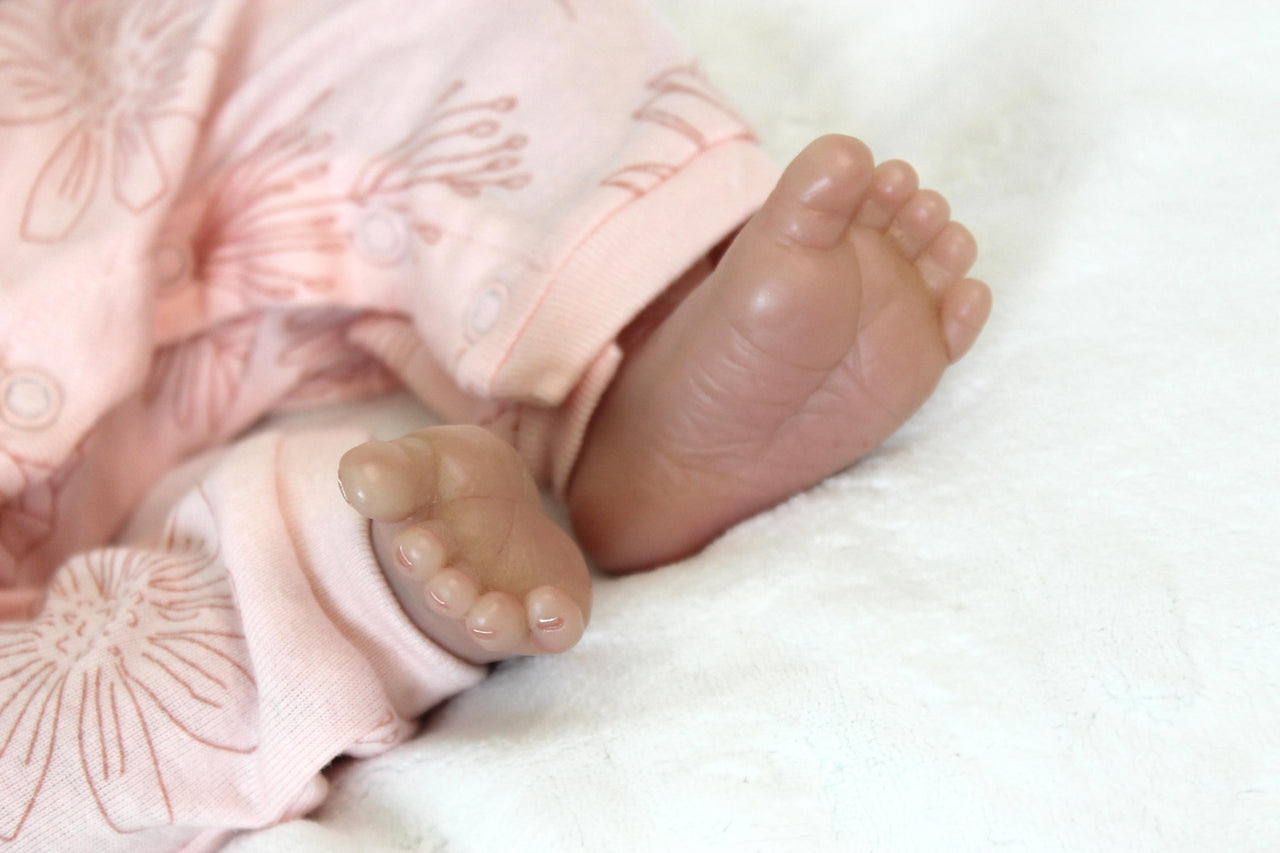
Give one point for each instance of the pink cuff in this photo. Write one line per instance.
(349, 584)
(565, 356)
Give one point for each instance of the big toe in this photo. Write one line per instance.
(392, 480)
(819, 193)
(380, 479)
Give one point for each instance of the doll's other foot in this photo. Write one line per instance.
(827, 323)
(458, 527)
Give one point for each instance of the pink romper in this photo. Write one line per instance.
(217, 210)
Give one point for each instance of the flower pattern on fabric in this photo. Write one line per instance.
(135, 654)
(197, 381)
(110, 71)
(452, 147)
(267, 230)
(462, 147)
(274, 224)
(679, 101)
(333, 369)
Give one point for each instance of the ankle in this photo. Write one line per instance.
(642, 326)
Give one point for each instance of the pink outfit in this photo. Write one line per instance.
(220, 209)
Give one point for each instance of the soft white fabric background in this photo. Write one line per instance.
(1046, 615)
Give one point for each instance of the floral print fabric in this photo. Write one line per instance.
(221, 209)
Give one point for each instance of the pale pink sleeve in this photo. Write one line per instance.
(203, 217)
(591, 162)
(179, 687)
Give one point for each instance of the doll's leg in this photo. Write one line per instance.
(195, 679)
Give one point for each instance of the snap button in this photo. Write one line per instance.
(382, 237)
(486, 308)
(29, 399)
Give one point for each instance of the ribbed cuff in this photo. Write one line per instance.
(346, 578)
(566, 356)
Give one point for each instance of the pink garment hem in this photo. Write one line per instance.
(623, 265)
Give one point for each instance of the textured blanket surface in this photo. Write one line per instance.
(1046, 615)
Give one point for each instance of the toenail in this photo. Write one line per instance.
(403, 558)
(554, 623)
(343, 491)
(484, 633)
(435, 596)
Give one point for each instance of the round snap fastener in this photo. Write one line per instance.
(29, 398)
(486, 308)
(381, 236)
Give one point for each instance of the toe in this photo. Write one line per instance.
(919, 221)
(893, 184)
(555, 621)
(422, 549)
(816, 197)
(392, 480)
(383, 480)
(948, 257)
(497, 622)
(451, 593)
(966, 305)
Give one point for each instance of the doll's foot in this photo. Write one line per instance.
(827, 323)
(459, 530)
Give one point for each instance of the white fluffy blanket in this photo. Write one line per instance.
(1046, 615)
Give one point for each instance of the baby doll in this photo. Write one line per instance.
(826, 323)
